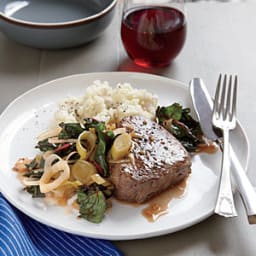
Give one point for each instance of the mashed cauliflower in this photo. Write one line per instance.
(108, 104)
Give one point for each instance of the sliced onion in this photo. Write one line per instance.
(66, 189)
(50, 159)
(47, 154)
(50, 169)
(56, 140)
(67, 158)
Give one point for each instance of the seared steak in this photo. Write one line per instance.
(159, 161)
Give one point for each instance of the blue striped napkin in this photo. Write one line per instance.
(20, 235)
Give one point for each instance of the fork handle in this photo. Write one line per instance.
(243, 185)
(225, 203)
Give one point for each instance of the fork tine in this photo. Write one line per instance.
(228, 111)
(223, 97)
(216, 106)
(234, 99)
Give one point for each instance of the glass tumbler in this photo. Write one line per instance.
(153, 32)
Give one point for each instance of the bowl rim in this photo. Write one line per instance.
(59, 24)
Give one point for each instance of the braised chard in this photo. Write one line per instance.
(179, 122)
(92, 203)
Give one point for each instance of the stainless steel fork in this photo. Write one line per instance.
(224, 117)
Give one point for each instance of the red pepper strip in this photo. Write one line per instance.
(98, 167)
(64, 146)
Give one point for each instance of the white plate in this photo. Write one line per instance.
(32, 113)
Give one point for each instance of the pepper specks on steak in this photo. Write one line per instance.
(159, 162)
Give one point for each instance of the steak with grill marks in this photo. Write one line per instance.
(158, 162)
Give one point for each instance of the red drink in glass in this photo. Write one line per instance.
(153, 36)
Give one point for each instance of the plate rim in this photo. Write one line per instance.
(116, 237)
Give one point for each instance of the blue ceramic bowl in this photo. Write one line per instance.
(55, 24)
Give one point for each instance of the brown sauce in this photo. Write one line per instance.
(209, 148)
(159, 205)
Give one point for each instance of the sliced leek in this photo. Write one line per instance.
(83, 170)
(121, 146)
(98, 179)
(85, 144)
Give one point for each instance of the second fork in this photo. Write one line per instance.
(224, 117)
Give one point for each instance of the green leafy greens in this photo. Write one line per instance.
(34, 191)
(35, 172)
(105, 138)
(92, 202)
(178, 121)
(70, 130)
(44, 145)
